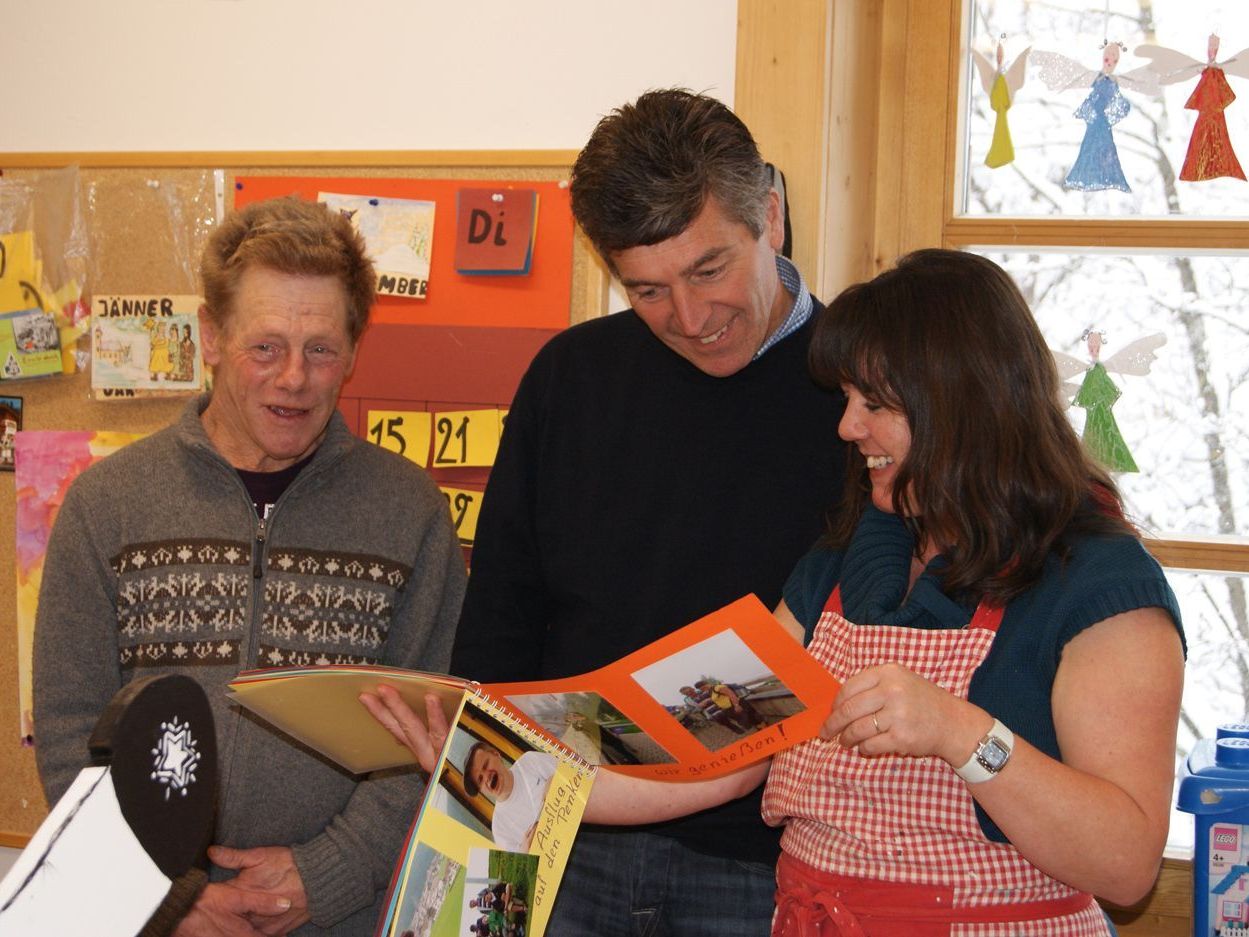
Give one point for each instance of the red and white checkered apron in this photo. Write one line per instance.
(888, 844)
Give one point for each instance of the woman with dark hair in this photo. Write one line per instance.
(1011, 657)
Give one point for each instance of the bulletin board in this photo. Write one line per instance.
(538, 299)
(434, 376)
(422, 363)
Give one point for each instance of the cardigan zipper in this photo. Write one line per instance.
(257, 571)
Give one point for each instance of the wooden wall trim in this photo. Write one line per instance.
(890, 218)
(1128, 234)
(927, 143)
(1214, 554)
(806, 87)
(782, 95)
(851, 182)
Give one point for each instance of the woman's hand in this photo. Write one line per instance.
(398, 718)
(889, 709)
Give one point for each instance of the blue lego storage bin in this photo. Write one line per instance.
(1214, 788)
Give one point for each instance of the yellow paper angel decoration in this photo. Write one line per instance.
(1000, 84)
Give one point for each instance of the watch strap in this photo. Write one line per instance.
(990, 756)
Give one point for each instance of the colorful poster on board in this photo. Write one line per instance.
(399, 233)
(30, 345)
(39, 325)
(145, 346)
(47, 462)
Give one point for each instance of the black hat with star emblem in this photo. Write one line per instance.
(158, 739)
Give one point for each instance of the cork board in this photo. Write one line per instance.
(147, 215)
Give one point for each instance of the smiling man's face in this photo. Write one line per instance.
(279, 362)
(710, 293)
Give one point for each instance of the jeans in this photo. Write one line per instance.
(643, 885)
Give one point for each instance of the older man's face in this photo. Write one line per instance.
(711, 293)
(278, 367)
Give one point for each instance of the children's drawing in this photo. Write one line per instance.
(1210, 154)
(399, 233)
(145, 346)
(1000, 84)
(1097, 165)
(1097, 393)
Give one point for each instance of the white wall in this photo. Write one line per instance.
(344, 74)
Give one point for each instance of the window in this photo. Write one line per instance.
(1168, 258)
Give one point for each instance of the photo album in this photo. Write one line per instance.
(490, 841)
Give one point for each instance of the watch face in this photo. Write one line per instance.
(993, 754)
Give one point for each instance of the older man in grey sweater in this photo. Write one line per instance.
(257, 531)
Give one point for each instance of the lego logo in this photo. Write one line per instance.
(1225, 838)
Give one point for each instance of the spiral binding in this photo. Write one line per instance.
(522, 727)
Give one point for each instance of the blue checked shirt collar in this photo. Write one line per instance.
(792, 280)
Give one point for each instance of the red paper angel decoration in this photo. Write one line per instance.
(1210, 154)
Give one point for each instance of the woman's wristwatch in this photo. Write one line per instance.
(990, 756)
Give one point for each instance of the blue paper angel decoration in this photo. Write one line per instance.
(1097, 165)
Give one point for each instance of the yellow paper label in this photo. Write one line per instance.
(554, 834)
(466, 437)
(464, 505)
(406, 432)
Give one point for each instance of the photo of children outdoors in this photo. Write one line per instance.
(719, 690)
(497, 890)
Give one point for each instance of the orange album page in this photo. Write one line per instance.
(724, 691)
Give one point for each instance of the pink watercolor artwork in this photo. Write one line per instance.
(46, 462)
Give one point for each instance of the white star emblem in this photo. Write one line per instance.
(175, 757)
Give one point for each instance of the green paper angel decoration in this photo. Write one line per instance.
(1000, 84)
(1097, 393)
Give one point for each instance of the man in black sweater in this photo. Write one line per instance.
(658, 464)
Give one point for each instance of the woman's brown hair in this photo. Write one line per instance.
(995, 469)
